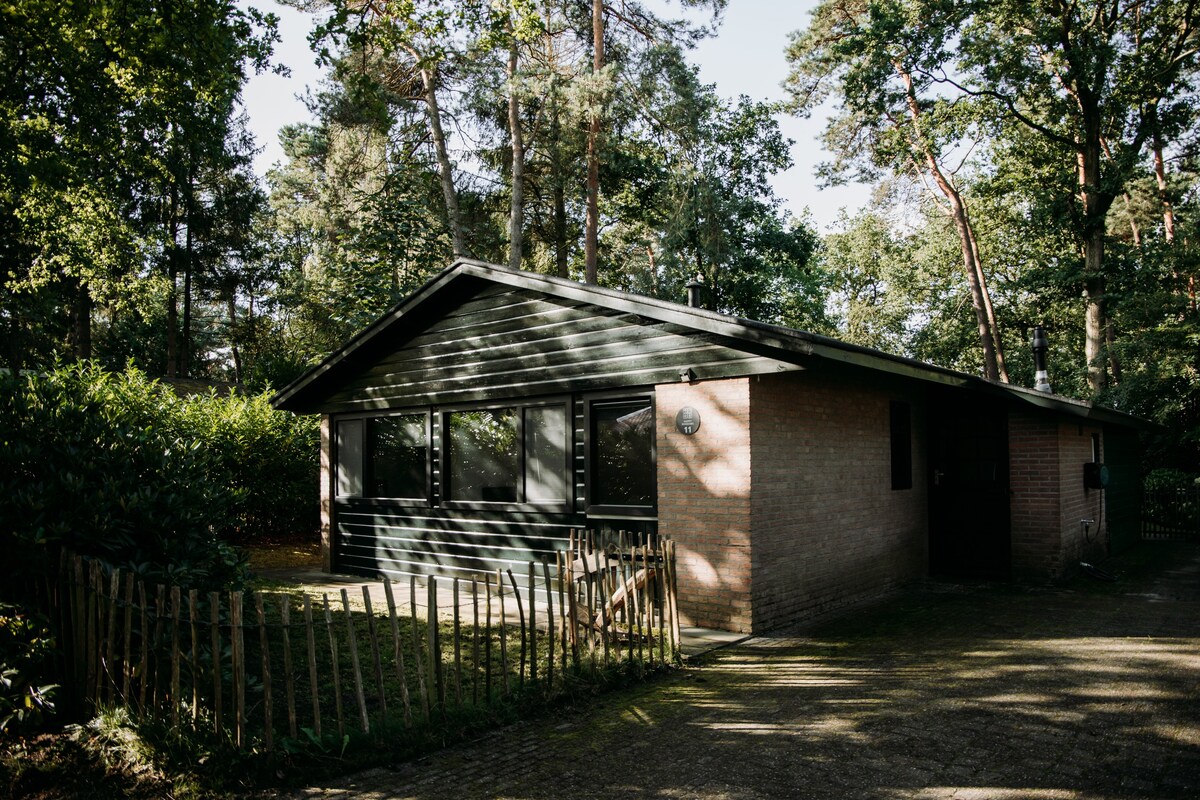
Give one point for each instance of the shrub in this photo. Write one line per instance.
(25, 644)
(115, 465)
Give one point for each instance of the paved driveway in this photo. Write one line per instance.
(1092, 691)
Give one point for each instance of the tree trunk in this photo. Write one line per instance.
(185, 352)
(1095, 208)
(981, 301)
(237, 356)
(81, 322)
(558, 192)
(172, 280)
(1160, 176)
(591, 237)
(445, 168)
(516, 213)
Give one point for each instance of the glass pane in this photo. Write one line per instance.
(483, 455)
(349, 458)
(546, 454)
(398, 452)
(623, 472)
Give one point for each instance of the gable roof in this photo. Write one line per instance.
(784, 345)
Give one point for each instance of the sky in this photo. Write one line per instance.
(745, 57)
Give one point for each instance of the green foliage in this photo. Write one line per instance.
(25, 645)
(117, 466)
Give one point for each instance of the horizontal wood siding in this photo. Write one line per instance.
(505, 342)
(376, 540)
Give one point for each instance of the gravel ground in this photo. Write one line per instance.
(985, 691)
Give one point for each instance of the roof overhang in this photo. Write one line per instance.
(785, 345)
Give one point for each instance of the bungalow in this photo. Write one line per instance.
(477, 422)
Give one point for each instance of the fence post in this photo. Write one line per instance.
(398, 653)
(239, 668)
(352, 640)
(376, 659)
(265, 645)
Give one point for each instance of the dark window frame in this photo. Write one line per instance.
(612, 511)
(369, 463)
(900, 436)
(365, 469)
(519, 405)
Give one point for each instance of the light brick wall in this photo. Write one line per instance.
(704, 499)
(1046, 459)
(1078, 502)
(326, 490)
(828, 527)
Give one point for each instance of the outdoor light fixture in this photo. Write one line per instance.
(686, 375)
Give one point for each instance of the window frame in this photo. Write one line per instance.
(609, 510)
(900, 444)
(519, 405)
(367, 473)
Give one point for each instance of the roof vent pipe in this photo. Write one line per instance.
(693, 290)
(1041, 379)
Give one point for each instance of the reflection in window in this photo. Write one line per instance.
(350, 458)
(623, 471)
(546, 454)
(398, 453)
(484, 455)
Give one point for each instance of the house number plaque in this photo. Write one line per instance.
(687, 421)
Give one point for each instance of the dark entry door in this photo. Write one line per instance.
(969, 532)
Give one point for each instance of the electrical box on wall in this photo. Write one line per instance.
(1095, 475)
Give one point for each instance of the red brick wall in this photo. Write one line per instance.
(1046, 459)
(704, 499)
(828, 527)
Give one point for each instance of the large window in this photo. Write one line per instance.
(399, 455)
(507, 455)
(510, 454)
(623, 475)
(483, 454)
(384, 457)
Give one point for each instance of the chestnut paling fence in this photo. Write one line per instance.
(258, 666)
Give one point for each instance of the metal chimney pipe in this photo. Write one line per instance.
(1041, 344)
(693, 290)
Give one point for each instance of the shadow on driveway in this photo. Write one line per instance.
(987, 691)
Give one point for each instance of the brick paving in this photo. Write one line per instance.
(984, 692)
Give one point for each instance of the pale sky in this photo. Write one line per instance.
(746, 57)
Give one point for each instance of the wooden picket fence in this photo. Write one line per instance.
(256, 666)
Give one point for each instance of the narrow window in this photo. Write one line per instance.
(484, 455)
(901, 426)
(398, 448)
(622, 465)
(546, 454)
(350, 458)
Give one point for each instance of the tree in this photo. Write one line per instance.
(104, 110)
(881, 60)
(1098, 81)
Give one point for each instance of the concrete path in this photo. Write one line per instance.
(990, 692)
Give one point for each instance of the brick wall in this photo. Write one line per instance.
(828, 527)
(326, 478)
(704, 499)
(1046, 459)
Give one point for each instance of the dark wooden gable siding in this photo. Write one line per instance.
(506, 342)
